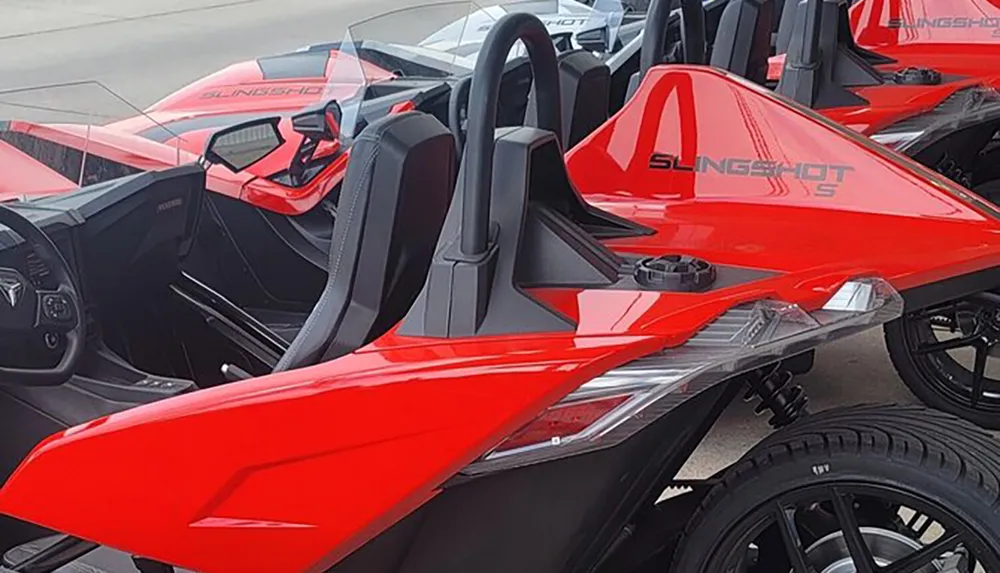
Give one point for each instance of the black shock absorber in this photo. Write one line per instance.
(776, 392)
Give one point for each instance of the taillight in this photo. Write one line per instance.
(562, 420)
(610, 408)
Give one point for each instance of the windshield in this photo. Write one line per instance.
(439, 42)
(56, 138)
(454, 31)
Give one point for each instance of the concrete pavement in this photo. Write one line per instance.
(147, 49)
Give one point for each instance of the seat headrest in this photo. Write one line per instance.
(743, 41)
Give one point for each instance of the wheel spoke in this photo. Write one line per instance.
(785, 519)
(920, 531)
(924, 557)
(979, 373)
(861, 555)
(950, 344)
(910, 523)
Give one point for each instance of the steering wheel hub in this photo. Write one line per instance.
(17, 300)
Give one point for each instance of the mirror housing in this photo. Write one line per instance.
(563, 41)
(244, 144)
(319, 123)
(595, 40)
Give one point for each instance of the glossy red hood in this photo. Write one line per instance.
(730, 171)
(25, 177)
(304, 466)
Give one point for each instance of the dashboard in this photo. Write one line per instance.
(114, 236)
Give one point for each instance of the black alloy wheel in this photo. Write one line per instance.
(944, 354)
(858, 490)
(855, 528)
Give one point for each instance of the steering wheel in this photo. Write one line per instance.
(27, 311)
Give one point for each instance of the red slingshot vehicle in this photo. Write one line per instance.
(502, 377)
(905, 79)
(265, 232)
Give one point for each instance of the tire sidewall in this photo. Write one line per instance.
(709, 544)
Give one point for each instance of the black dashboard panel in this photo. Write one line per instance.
(105, 230)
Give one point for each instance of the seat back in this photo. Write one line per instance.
(743, 42)
(823, 61)
(392, 206)
(585, 89)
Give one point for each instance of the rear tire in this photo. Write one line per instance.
(927, 378)
(936, 379)
(930, 456)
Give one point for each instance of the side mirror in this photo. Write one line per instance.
(563, 41)
(596, 40)
(319, 123)
(240, 146)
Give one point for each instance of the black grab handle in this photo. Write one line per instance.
(483, 97)
(654, 37)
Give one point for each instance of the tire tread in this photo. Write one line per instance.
(929, 440)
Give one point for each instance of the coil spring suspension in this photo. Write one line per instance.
(776, 392)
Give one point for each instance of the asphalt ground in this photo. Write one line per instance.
(145, 49)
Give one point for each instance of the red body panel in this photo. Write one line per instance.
(306, 465)
(119, 146)
(24, 177)
(958, 38)
(891, 103)
(953, 26)
(781, 223)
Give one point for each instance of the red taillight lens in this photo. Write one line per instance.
(562, 420)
